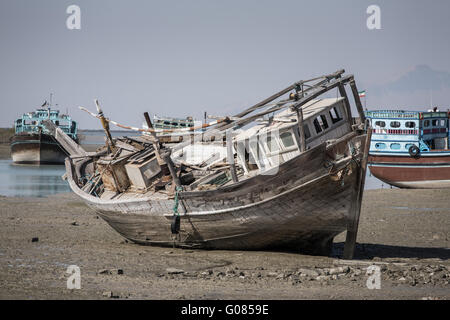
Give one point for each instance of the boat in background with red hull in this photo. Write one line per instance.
(410, 149)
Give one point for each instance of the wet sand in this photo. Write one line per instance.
(405, 232)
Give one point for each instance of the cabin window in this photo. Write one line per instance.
(380, 124)
(248, 156)
(320, 123)
(442, 123)
(256, 152)
(334, 114)
(272, 144)
(395, 146)
(287, 139)
(380, 145)
(307, 132)
(410, 124)
(395, 124)
(434, 123)
(317, 126)
(324, 121)
(426, 123)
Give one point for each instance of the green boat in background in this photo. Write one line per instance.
(32, 143)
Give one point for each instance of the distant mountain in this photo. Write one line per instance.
(421, 78)
(419, 89)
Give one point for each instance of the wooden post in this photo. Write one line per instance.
(355, 208)
(359, 107)
(230, 155)
(105, 125)
(301, 129)
(348, 110)
(170, 165)
(155, 142)
(73, 148)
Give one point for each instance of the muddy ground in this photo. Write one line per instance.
(405, 232)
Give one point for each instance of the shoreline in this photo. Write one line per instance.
(397, 232)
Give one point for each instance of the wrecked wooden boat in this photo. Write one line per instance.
(288, 172)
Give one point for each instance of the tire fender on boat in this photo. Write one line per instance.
(414, 151)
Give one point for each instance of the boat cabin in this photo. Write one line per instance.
(277, 139)
(397, 131)
(31, 122)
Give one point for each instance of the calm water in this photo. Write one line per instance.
(41, 181)
(31, 180)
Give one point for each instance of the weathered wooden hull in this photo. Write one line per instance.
(305, 204)
(36, 149)
(307, 218)
(429, 171)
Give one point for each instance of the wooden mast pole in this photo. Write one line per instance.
(359, 107)
(348, 110)
(355, 208)
(301, 128)
(105, 125)
(230, 155)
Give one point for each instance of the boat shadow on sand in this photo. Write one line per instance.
(371, 250)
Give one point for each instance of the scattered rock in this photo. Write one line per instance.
(35, 239)
(322, 278)
(308, 272)
(74, 223)
(174, 271)
(110, 294)
(104, 271)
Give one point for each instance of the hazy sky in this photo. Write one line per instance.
(180, 58)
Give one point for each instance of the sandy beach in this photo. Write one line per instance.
(405, 232)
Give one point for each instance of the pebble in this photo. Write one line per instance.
(174, 271)
(104, 271)
(109, 294)
(308, 272)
